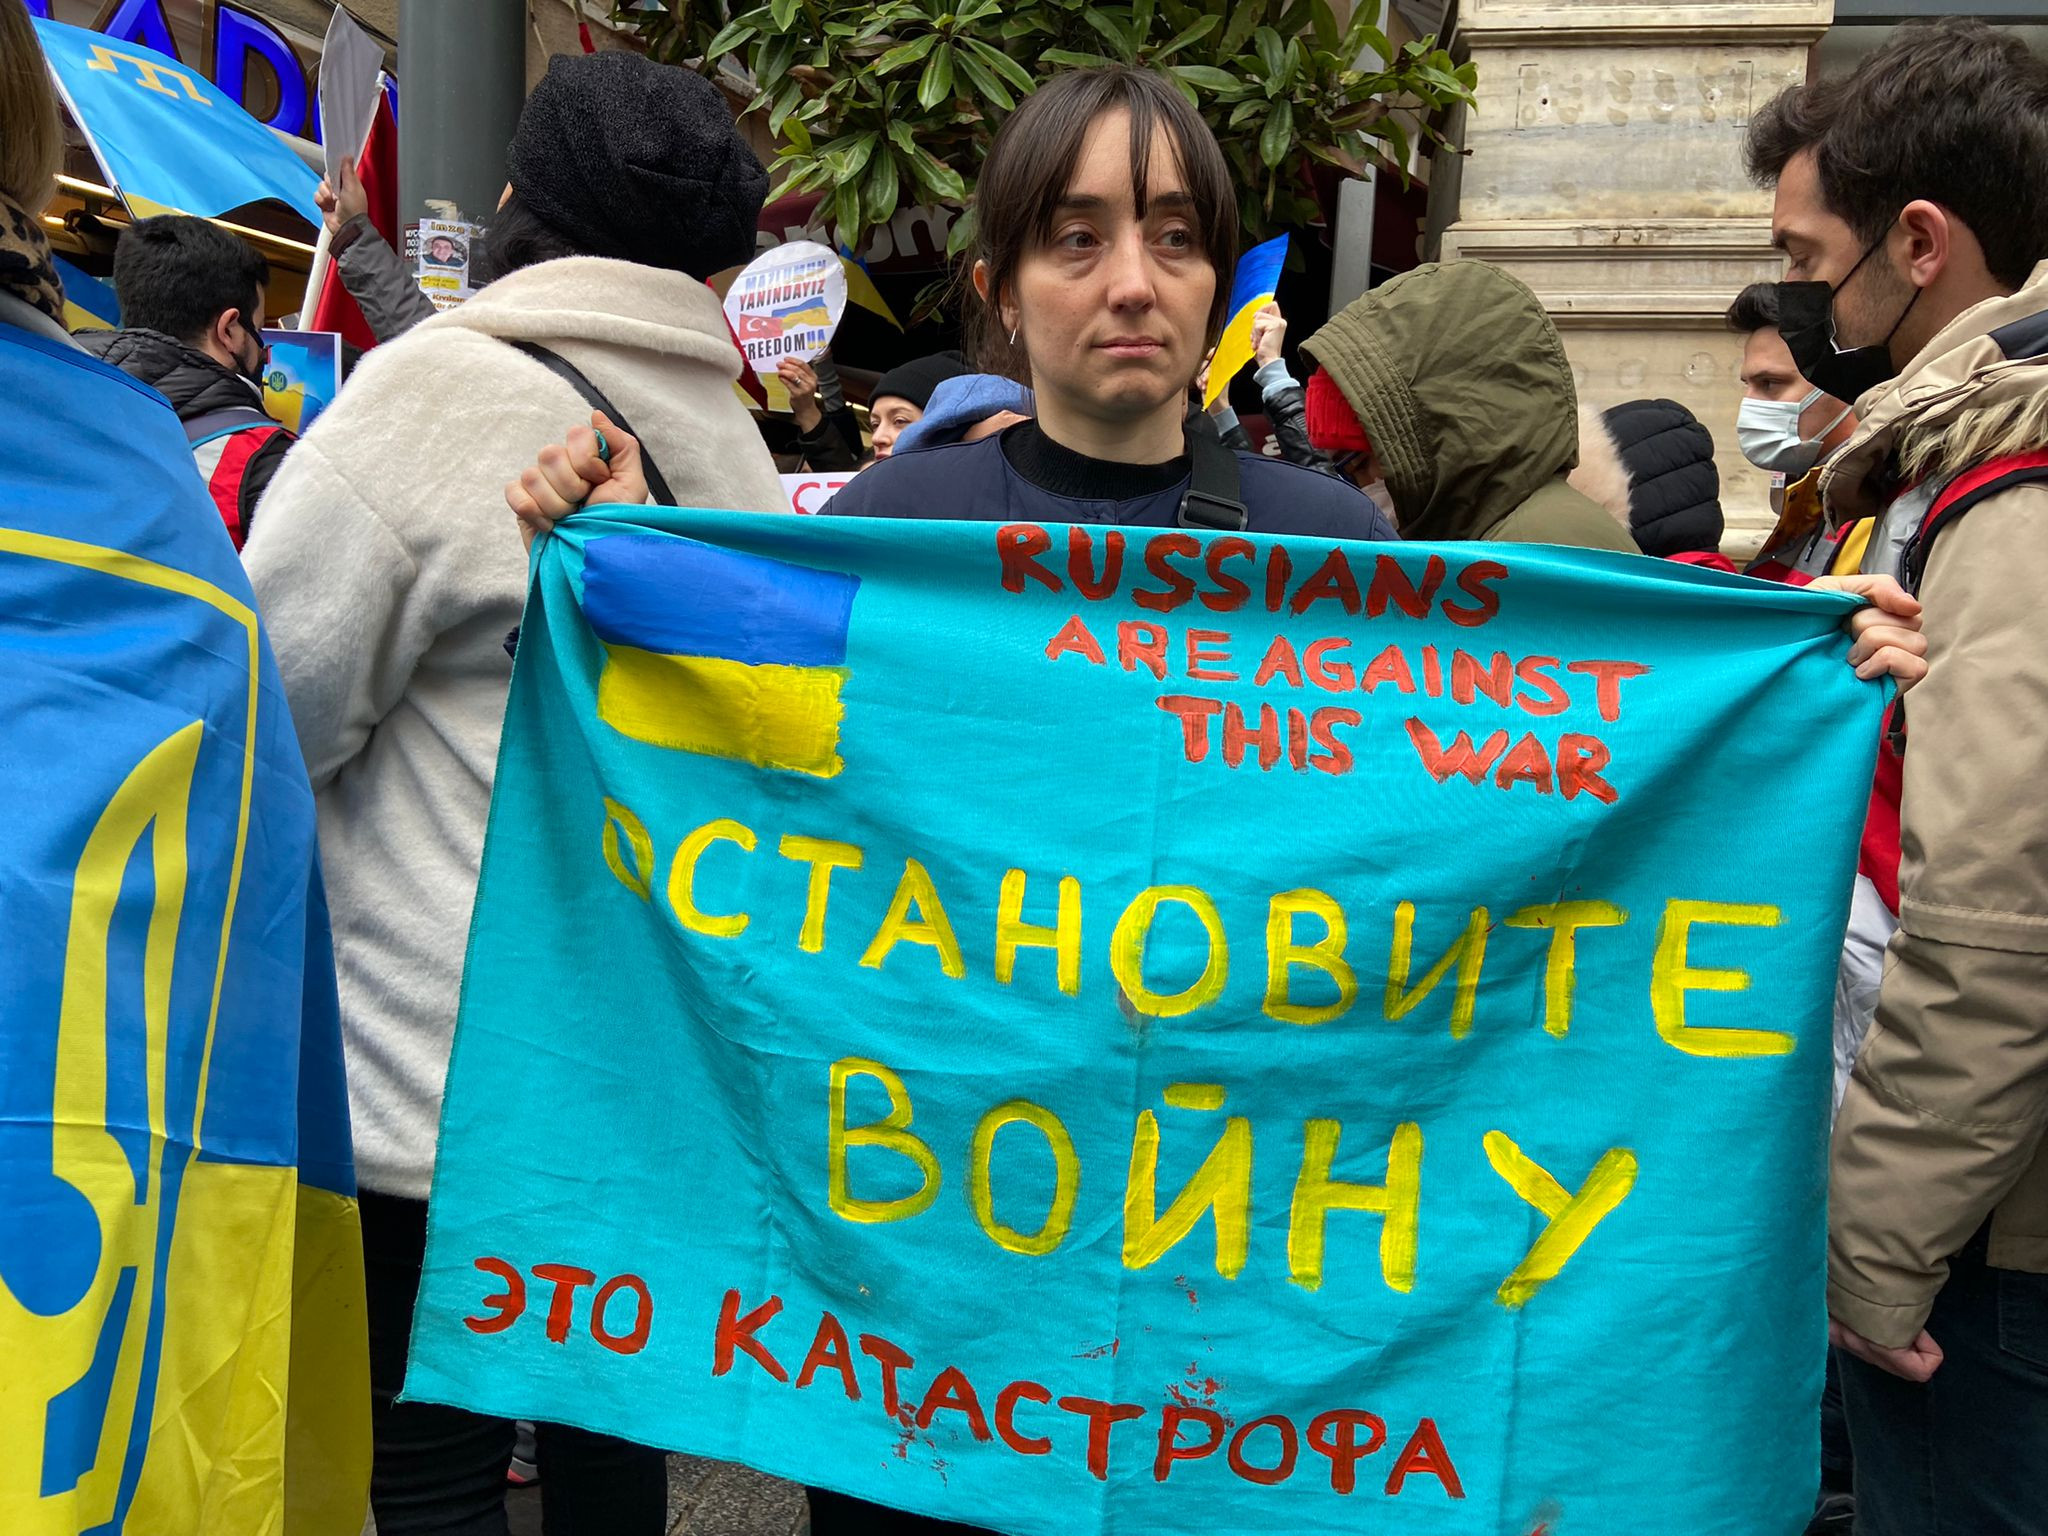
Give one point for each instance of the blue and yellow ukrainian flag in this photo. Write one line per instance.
(861, 289)
(183, 1343)
(807, 313)
(89, 304)
(168, 138)
(717, 652)
(1252, 289)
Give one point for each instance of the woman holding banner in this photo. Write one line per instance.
(1106, 239)
(1107, 236)
(1102, 288)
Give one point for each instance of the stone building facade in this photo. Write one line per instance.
(1605, 170)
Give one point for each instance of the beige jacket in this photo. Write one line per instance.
(1943, 1121)
(390, 570)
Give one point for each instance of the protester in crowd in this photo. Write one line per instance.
(828, 435)
(384, 288)
(391, 587)
(901, 395)
(1671, 491)
(1912, 205)
(1788, 426)
(1449, 384)
(1106, 242)
(122, 648)
(1286, 409)
(191, 299)
(1105, 246)
(967, 408)
(31, 154)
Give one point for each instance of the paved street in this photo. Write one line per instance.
(705, 1498)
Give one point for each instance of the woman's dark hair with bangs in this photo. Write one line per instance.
(1031, 165)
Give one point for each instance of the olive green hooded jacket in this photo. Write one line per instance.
(1458, 377)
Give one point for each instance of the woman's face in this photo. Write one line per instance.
(1113, 310)
(887, 417)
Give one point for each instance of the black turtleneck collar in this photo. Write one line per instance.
(1060, 471)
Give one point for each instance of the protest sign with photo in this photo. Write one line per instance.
(442, 259)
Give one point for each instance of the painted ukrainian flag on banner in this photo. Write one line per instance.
(181, 1282)
(719, 653)
(1257, 280)
(168, 138)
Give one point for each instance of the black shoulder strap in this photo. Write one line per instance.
(571, 375)
(1215, 493)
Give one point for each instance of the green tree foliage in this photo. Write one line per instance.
(880, 106)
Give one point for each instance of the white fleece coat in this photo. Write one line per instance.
(389, 571)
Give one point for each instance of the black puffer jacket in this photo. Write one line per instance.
(238, 459)
(1287, 415)
(1674, 496)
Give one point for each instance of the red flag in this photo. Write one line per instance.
(749, 380)
(336, 311)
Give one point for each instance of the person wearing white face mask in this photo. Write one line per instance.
(1789, 426)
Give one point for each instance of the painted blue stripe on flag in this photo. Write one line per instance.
(681, 598)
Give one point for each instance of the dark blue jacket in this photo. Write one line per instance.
(977, 481)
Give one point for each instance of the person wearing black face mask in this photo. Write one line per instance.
(1806, 319)
(1912, 204)
(191, 299)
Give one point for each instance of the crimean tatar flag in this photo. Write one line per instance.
(717, 652)
(169, 138)
(1257, 280)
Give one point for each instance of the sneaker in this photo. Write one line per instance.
(1836, 1516)
(525, 1469)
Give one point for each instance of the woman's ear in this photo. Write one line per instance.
(1006, 310)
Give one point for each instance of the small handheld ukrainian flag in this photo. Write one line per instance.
(170, 139)
(1252, 289)
(717, 652)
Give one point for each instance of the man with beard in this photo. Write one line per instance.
(192, 306)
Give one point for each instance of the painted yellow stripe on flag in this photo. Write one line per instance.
(776, 717)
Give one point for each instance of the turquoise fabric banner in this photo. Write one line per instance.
(1121, 1030)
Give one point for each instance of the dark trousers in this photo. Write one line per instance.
(441, 1471)
(1837, 1461)
(835, 1514)
(1967, 1453)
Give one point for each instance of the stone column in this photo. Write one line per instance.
(1606, 172)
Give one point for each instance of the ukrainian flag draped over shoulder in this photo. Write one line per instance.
(181, 1290)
